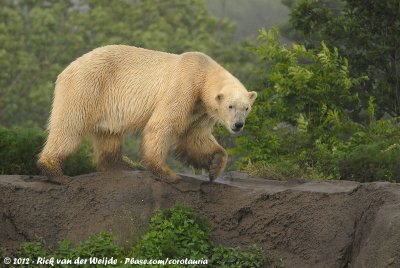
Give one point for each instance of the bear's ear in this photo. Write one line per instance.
(252, 96)
(219, 97)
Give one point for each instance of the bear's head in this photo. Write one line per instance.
(233, 106)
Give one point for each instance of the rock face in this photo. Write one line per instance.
(307, 224)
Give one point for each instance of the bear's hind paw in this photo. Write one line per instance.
(167, 176)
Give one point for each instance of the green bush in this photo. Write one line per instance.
(176, 233)
(99, 246)
(20, 147)
(234, 257)
(370, 153)
(81, 162)
(32, 250)
(372, 162)
(179, 232)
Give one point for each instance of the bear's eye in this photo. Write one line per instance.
(230, 106)
(247, 108)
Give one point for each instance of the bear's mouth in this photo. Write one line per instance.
(236, 130)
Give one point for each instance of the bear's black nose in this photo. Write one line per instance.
(239, 125)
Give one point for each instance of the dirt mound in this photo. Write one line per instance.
(314, 224)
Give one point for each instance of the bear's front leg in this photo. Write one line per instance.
(199, 148)
(156, 142)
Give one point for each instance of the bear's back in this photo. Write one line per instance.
(111, 58)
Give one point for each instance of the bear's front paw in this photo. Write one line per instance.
(217, 165)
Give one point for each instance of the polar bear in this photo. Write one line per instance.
(173, 100)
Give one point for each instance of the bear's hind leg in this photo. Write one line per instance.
(58, 147)
(108, 152)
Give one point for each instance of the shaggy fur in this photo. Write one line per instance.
(174, 100)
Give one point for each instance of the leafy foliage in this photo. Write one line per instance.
(303, 85)
(378, 161)
(32, 250)
(368, 34)
(234, 257)
(304, 90)
(313, 118)
(176, 233)
(304, 125)
(19, 148)
(80, 162)
(179, 232)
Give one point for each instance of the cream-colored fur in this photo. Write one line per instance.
(174, 100)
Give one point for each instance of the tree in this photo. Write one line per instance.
(368, 34)
(34, 46)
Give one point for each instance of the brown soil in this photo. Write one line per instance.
(308, 224)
